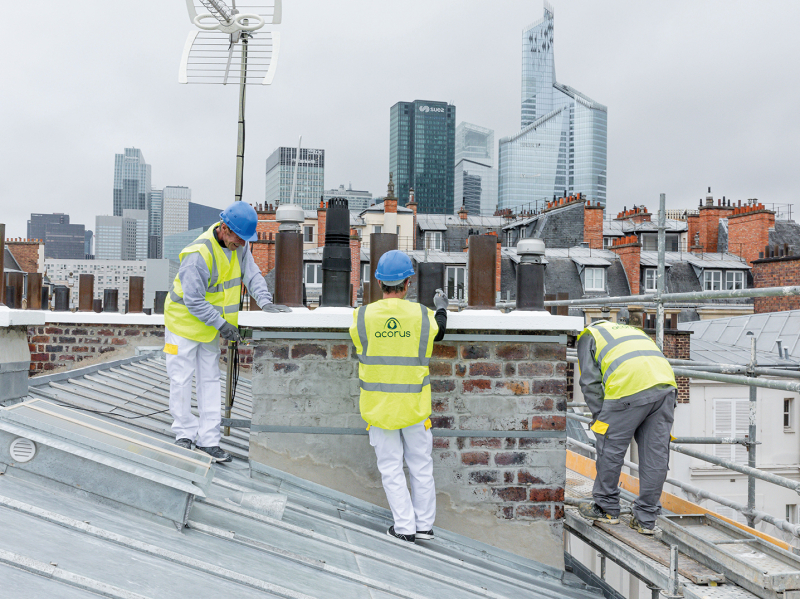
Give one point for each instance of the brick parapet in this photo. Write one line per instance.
(776, 272)
(497, 386)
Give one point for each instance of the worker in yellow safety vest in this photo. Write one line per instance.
(630, 389)
(202, 306)
(394, 342)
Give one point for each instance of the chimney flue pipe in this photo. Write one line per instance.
(530, 275)
(482, 267)
(336, 265)
(379, 244)
(289, 255)
(85, 293)
(135, 294)
(430, 277)
(34, 291)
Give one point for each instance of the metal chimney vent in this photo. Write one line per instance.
(22, 450)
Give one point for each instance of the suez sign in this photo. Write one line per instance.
(431, 109)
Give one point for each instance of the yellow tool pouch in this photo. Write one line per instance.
(428, 424)
(599, 427)
(171, 348)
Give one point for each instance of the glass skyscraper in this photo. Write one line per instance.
(310, 177)
(422, 154)
(475, 184)
(156, 232)
(131, 181)
(562, 147)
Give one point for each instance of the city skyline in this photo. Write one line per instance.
(681, 120)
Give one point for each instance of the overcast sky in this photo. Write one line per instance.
(698, 92)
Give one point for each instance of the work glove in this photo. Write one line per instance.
(440, 300)
(273, 308)
(229, 332)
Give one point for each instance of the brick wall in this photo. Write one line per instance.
(322, 213)
(677, 346)
(66, 346)
(503, 490)
(693, 226)
(593, 226)
(29, 253)
(355, 264)
(748, 231)
(629, 251)
(708, 226)
(263, 254)
(776, 272)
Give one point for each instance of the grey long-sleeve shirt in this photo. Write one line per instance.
(194, 275)
(591, 382)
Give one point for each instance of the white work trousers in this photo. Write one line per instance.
(202, 360)
(416, 511)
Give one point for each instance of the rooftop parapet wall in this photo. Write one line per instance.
(496, 372)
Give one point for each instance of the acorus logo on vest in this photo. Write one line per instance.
(392, 328)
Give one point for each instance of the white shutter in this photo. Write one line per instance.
(742, 422)
(723, 426)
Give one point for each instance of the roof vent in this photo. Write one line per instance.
(22, 450)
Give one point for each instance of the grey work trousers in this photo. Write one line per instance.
(650, 424)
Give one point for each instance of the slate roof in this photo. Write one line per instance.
(10, 263)
(440, 222)
(785, 231)
(59, 543)
(725, 340)
(618, 228)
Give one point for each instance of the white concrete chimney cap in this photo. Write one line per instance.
(530, 246)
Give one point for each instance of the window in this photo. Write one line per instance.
(788, 414)
(731, 419)
(313, 273)
(607, 242)
(377, 228)
(650, 278)
(365, 273)
(433, 240)
(734, 279)
(594, 279)
(308, 234)
(456, 278)
(712, 280)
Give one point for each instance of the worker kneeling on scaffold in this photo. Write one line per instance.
(203, 305)
(394, 341)
(630, 389)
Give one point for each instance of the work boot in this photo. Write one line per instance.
(397, 535)
(185, 443)
(592, 511)
(426, 535)
(217, 453)
(639, 527)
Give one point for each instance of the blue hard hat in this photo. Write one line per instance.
(394, 267)
(242, 219)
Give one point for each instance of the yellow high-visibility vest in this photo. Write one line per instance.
(224, 290)
(394, 343)
(629, 360)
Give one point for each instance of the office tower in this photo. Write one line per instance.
(117, 236)
(156, 233)
(562, 147)
(131, 181)
(175, 201)
(202, 216)
(140, 239)
(310, 177)
(88, 243)
(174, 244)
(356, 200)
(61, 239)
(475, 182)
(422, 153)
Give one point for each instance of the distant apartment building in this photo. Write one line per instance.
(140, 241)
(112, 274)
(61, 239)
(310, 183)
(356, 200)
(475, 182)
(422, 153)
(202, 216)
(561, 148)
(173, 244)
(156, 232)
(175, 209)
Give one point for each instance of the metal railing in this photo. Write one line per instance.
(726, 373)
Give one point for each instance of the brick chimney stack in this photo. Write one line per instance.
(355, 264)
(322, 212)
(629, 251)
(748, 230)
(462, 212)
(637, 214)
(708, 223)
(593, 225)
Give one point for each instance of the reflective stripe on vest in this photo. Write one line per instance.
(628, 359)
(394, 342)
(223, 290)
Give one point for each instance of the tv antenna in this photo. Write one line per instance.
(229, 46)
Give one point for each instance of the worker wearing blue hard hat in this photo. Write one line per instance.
(201, 307)
(394, 342)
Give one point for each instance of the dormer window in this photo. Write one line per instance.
(734, 279)
(595, 279)
(712, 280)
(650, 279)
